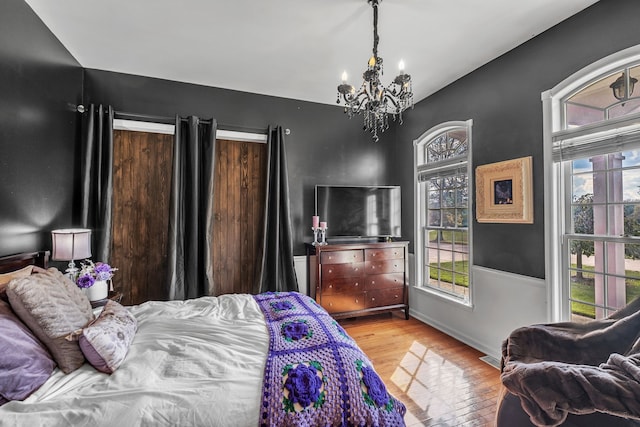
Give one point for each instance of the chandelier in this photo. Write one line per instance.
(373, 100)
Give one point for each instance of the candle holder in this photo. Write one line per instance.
(323, 236)
(316, 231)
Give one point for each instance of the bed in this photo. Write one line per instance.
(241, 360)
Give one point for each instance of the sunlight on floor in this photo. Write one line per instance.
(429, 380)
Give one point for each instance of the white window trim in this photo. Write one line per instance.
(558, 308)
(419, 200)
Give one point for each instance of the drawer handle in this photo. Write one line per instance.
(373, 282)
(373, 299)
(355, 269)
(357, 300)
(330, 271)
(396, 296)
(356, 283)
(330, 286)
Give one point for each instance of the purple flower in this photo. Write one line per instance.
(375, 387)
(281, 305)
(103, 271)
(85, 281)
(303, 385)
(295, 330)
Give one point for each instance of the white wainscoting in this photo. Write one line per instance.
(300, 264)
(502, 302)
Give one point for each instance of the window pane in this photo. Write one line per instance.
(434, 199)
(434, 218)
(448, 217)
(582, 217)
(446, 250)
(448, 198)
(582, 252)
(582, 185)
(622, 109)
(581, 165)
(631, 158)
(632, 221)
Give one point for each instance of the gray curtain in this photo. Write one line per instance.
(277, 272)
(97, 179)
(190, 269)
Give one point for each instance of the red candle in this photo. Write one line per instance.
(316, 220)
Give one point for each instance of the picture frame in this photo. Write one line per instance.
(504, 192)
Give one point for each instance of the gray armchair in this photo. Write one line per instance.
(573, 374)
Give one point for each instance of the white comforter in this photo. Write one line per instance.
(192, 363)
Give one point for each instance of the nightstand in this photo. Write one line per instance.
(113, 296)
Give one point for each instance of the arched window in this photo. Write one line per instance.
(442, 162)
(592, 154)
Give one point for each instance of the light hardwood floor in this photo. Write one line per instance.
(441, 381)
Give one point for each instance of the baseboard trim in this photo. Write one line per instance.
(455, 334)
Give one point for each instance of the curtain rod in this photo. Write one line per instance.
(171, 120)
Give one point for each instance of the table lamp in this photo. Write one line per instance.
(70, 244)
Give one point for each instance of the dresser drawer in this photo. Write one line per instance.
(383, 297)
(383, 253)
(343, 285)
(384, 266)
(337, 303)
(341, 257)
(383, 281)
(332, 271)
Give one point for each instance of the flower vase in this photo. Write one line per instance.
(99, 290)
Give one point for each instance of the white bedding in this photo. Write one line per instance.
(192, 363)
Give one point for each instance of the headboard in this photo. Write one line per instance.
(17, 261)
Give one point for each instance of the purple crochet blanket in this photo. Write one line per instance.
(315, 374)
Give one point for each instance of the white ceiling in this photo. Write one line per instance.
(295, 48)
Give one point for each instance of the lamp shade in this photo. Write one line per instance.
(71, 244)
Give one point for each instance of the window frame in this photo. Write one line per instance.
(557, 186)
(421, 165)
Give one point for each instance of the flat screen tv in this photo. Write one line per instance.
(359, 211)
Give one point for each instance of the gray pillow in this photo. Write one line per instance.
(52, 306)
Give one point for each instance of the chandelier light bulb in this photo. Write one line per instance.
(344, 77)
(372, 61)
(401, 66)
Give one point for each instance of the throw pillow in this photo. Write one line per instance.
(105, 342)
(25, 364)
(52, 306)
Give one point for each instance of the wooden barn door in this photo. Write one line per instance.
(142, 165)
(241, 170)
(141, 194)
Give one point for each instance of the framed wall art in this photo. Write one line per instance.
(504, 192)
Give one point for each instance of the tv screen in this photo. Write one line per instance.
(359, 211)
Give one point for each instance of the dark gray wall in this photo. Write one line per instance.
(324, 146)
(503, 99)
(40, 83)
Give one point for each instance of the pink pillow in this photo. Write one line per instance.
(105, 341)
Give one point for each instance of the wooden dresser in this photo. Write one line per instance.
(360, 278)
